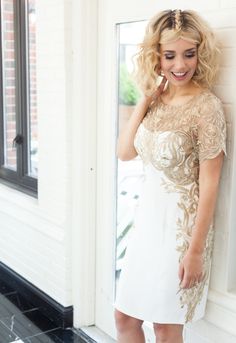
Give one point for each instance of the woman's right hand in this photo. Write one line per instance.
(125, 144)
(158, 91)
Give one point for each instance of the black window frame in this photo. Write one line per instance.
(18, 179)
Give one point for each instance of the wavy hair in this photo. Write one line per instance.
(168, 26)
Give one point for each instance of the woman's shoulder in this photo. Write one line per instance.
(208, 98)
(207, 102)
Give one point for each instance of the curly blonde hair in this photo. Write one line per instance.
(168, 26)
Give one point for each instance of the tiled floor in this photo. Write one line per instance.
(21, 322)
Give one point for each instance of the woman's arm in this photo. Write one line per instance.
(125, 144)
(209, 178)
(191, 267)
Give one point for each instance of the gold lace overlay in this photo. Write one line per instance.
(175, 140)
(188, 203)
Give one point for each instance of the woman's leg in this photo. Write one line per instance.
(168, 333)
(129, 329)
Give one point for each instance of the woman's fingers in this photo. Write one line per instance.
(193, 271)
(161, 86)
(160, 89)
(163, 82)
(181, 271)
(187, 283)
(188, 280)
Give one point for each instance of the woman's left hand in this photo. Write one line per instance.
(191, 270)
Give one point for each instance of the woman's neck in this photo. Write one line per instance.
(176, 92)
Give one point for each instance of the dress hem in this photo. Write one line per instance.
(180, 322)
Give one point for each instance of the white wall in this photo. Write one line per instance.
(220, 319)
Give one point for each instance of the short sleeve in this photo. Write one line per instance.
(211, 129)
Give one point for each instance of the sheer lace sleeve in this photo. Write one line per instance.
(211, 130)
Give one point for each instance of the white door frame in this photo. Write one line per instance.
(83, 154)
(110, 13)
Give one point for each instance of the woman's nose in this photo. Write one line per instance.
(179, 63)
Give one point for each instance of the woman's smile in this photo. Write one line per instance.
(179, 76)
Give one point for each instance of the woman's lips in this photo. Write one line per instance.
(179, 76)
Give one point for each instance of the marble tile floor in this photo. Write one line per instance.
(21, 322)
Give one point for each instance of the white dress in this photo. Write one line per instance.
(172, 142)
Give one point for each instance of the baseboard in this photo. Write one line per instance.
(62, 316)
(96, 334)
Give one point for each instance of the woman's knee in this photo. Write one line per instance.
(166, 332)
(124, 322)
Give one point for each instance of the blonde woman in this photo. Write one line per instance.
(179, 131)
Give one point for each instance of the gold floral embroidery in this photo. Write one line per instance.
(202, 120)
(175, 140)
(191, 297)
(188, 203)
(174, 156)
(211, 130)
(171, 152)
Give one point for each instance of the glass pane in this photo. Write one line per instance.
(129, 173)
(32, 90)
(9, 80)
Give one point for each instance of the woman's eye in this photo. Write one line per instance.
(190, 55)
(169, 57)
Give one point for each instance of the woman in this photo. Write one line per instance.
(179, 131)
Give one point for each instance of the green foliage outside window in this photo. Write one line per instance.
(128, 92)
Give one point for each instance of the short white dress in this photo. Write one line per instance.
(172, 141)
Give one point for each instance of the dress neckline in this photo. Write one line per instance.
(193, 98)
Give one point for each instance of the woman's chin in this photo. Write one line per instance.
(179, 83)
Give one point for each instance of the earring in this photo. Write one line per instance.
(161, 73)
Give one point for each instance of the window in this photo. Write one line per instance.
(18, 96)
(129, 173)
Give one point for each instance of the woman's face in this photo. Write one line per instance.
(179, 61)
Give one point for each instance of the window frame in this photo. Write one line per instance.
(18, 179)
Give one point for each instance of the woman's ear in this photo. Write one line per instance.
(158, 70)
(161, 73)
